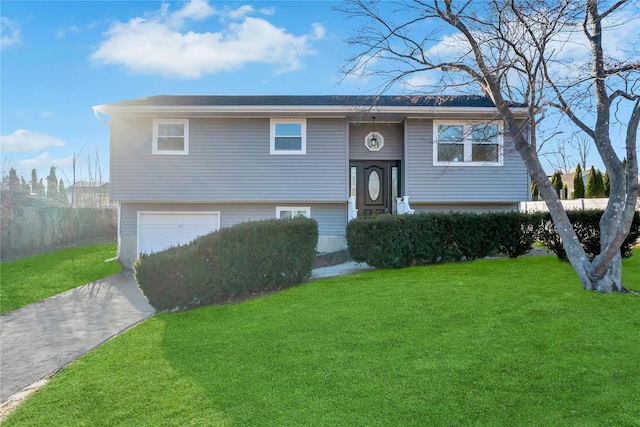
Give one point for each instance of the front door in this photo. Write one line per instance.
(375, 185)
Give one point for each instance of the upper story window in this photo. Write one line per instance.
(290, 212)
(288, 136)
(467, 144)
(170, 136)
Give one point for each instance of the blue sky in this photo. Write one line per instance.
(59, 59)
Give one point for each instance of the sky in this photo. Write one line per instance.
(58, 59)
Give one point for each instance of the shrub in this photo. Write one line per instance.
(586, 223)
(232, 262)
(401, 240)
(176, 277)
(260, 255)
(472, 235)
(515, 232)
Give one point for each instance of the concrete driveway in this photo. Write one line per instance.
(39, 339)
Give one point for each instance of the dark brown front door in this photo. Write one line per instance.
(376, 186)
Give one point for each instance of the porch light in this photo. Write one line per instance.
(373, 141)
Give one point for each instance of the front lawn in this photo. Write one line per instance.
(492, 342)
(28, 280)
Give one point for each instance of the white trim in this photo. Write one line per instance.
(305, 209)
(163, 121)
(141, 213)
(467, 142)
(303, 135)
(379, 138)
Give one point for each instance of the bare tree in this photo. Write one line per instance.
(582, 144)
(514, 52)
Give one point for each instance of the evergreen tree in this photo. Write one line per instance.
(599, 191)
(26, 189)
(41, 191)
(52, 184)
(534, 191)
(578, 184)
(62, 194)
(590, 191)
(34, 181)
(607, 184)
(556, 180)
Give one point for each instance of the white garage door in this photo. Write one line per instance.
(159, 230)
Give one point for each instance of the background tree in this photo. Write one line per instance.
(607, 184)
(52, 184)
(34, 181)
(556, 180)
(41, 190)
(513, 51)
(590, 191)
(534, 191)
(599, 190)
(578, 184)
(62, 194)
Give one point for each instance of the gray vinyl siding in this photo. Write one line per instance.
(332, 218)
(425, 182)
(228, 161)
(393, 141)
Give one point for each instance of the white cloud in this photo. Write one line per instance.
(160, 44)
(420, 81)
(74, 29)
(43, 160)
(318, 31)
(241, 12)
(27, 141)
(9, 33)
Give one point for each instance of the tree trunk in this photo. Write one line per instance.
(611, 281)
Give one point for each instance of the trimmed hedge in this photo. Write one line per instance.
(586, 223)
(233, 262)
(393, 241)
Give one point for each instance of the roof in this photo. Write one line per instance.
(309, 100)
(306, 105)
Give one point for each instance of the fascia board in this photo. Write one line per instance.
(300, 109)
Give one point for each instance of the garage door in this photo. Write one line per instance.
(159, 230)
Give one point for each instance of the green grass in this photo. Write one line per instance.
(489, 343)
(32, 279)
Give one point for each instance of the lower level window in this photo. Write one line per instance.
(289, 212)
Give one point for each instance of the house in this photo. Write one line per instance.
(567, 179)
(85, 194)
(182, 166)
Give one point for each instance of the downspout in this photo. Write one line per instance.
(96, 113)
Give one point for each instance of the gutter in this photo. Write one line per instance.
(99, 117)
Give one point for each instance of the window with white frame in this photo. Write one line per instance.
(288, 136)
(170, 136)
(467, 143)
(290, 212)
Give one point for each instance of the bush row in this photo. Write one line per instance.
(393, 241)
(586, 223)
(251, 257)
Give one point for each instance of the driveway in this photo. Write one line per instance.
(39, 339)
